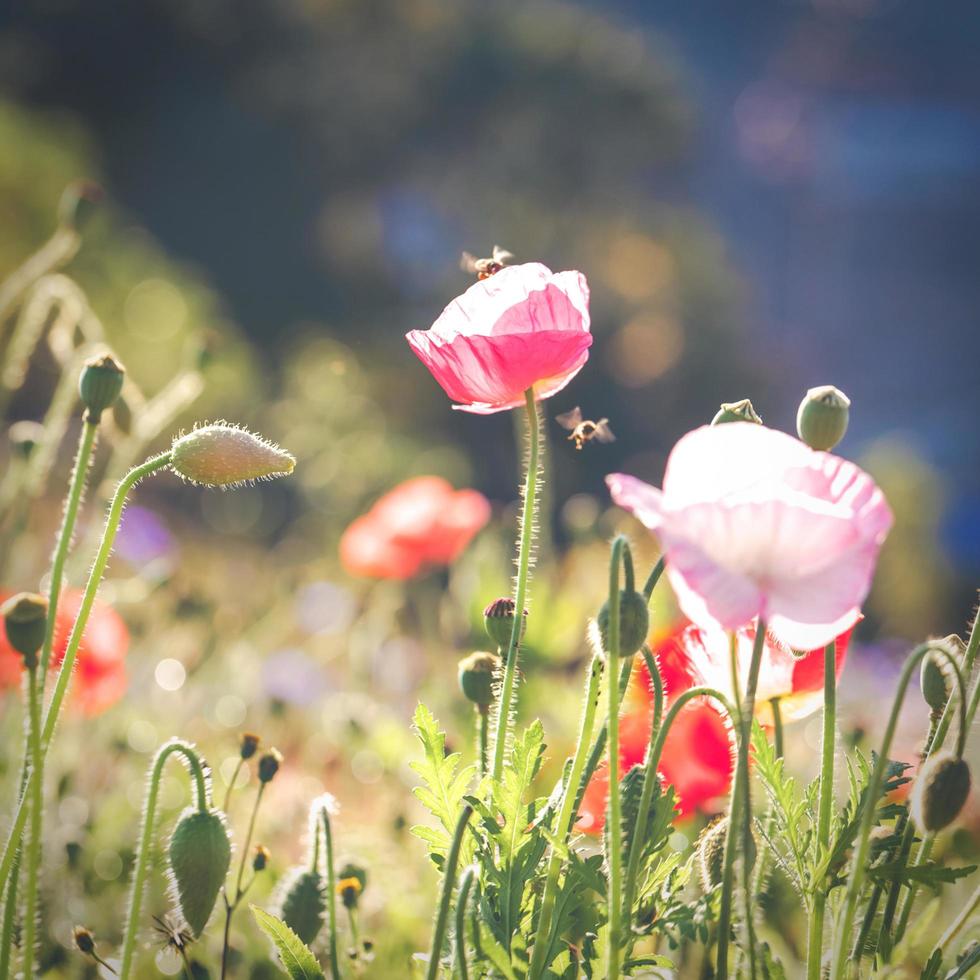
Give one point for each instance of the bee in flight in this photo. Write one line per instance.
(584, 430)
(485, 268)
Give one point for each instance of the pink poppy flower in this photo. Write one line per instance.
(420, 523)
(756, 524)
(523, 327)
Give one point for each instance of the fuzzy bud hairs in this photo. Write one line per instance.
(224, 455)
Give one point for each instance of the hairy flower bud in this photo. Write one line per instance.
(99, 385)
(248, 745)
(822, 419)
(200, 853)
(25, 618)
(303, 904)
(711, 853)
(940, 790)
(740, 411)
(634, 622)
(499, 620)
(934, 674)
(269, 765)
(224, 455)
(476, 674)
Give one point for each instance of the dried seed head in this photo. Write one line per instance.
(260, 858)
(84, 940)
(634, 622)
(200, 853)
(99, 385)
(476, 674)
(823, 416)
(940, 790)
(303, 904)
(499, 620)
(223, 455)
(740, 411)
(269, 765)
(248, 745)
(25, 618)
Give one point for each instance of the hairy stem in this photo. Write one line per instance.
(446, 898)
(469, 876)
(29, 943)
(331, 894)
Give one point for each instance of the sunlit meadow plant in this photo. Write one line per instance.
(768, 541)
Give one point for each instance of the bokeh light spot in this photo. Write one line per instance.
(170, 674)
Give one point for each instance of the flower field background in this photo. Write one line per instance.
(318, 611)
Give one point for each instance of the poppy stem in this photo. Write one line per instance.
(870, 797)
(448, 880)
(740, 814)
(193, 762)
(331, 894)
(462, 901)
(523, 563)
(563, 826)
(483, 736)
(33, 850)
(761, 868)
(814, 944)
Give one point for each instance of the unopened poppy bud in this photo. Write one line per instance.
(223, 455)
(248, 745)
(200, 853)
(940, 790)
(711, 853)
(84, 940)
(822, 419)
(25, 618)
(740, 411)
(934, 676)
(476, 674)
(499, 620)
(634, 622)
(269, 765)
(261, 858)
(303, 904)
(99, 385)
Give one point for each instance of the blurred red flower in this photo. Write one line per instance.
(100, 670)
(420, 523)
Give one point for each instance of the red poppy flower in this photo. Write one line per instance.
(421, 523)
(100, 670)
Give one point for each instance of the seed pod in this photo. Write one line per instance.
(304, 904)
(499, 620)
(740, 411)
(223, 455)
(100, 384)
(823, 416)
(25, 617)
(634, 623)
(200, 853)
(476, 673)
(940, 790)
(84, 940)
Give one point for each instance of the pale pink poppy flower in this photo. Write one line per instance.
(754, 523)
(523, 327)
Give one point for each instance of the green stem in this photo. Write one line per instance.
(859, 860)
(239, 891)
(33, 850)
(950, 934)
(9, 919)
(231, 784)
(614, 821)
(520, 599)
(483, 737)
(814, 955)
(448, 880)
(563, 826)
(761, 868)
(737, 820)
(331, 894)
(462, 901)
(194, 765)
(651, 582)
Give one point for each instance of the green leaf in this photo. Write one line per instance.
(296, 959)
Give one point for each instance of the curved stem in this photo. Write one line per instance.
(859, 861)
(739, 820)
(239, 891)
(651, 582)
(33, 849)
(505, 703)
(194, 765)
(231, 784)
(563, 826)
(462, 900)
(448, 880)
(814, 954)
(331, 894)
(614, 821)
(9, 919)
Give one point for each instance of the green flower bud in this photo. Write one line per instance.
(710, 857)
(934, 675)
(25, 617)
(499, 620)
(248, 745)
(99, 385)
(634, 622)
(940, 790)
(740, 411)
(200, 853)
(822, 419)
(476, 675)
(223, 455)
(303, 904)
(269, 765)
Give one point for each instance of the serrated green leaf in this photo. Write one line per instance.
(296, 958)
